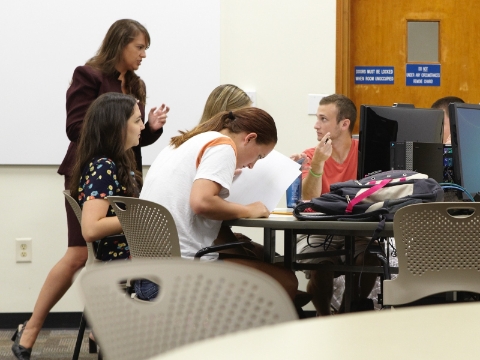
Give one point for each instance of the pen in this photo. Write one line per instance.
(281, 213)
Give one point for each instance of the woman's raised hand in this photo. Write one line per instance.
(158, 117)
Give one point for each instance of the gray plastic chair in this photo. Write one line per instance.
(437, 251)
(151, 231)
(149, 227)
(91, 260)
(197, 301)
(78, 211)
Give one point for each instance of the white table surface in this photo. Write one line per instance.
(427, 332)
(285, 222)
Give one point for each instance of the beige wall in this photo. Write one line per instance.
(281, 49)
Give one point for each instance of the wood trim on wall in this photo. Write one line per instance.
(54, 320)
(342, 63)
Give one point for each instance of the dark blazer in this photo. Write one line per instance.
(87, 84)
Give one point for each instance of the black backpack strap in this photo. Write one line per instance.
(379, 229)
(369, 216)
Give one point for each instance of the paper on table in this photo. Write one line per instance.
(266, 182)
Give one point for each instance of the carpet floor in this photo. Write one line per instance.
(52, 344)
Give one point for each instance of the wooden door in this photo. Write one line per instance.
(374, 33)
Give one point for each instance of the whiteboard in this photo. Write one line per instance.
(43, 42)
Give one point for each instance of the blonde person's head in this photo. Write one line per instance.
(225, 97)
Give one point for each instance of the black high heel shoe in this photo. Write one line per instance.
(20, 352)
(92, 344)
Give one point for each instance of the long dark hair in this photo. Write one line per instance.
(104, 134)
(109, 55)
(250, 120)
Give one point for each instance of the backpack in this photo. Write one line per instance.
(373, 198)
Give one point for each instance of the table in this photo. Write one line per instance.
(426, 332)
(292, 227)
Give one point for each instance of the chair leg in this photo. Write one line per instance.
(380, 254)
(81, 332)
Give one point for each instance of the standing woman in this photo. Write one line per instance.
(195, 191)
(112, 69)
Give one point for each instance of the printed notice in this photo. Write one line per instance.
(423, 75)
(374, 75)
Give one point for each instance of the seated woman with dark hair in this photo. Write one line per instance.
(105, 165)
(105, 162)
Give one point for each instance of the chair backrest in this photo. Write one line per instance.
(78, 211)
(197, 300)
(437, 251)
(149, 227)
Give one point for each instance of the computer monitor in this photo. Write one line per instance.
(448, 176)
(465, 134)
(375, 136)
(380, 125)
(403, 105)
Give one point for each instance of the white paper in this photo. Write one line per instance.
(266, 182)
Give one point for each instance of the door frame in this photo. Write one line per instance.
(342, 64)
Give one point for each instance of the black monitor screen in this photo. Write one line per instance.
(465, 133)
(376, 134)
(378, 130)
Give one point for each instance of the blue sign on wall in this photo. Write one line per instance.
(371, 75)
(423, 75)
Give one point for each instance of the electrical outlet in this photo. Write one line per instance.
(24, 249)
